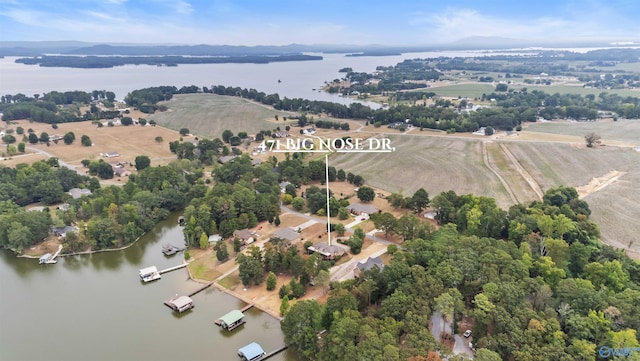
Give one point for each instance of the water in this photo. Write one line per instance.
(94, 307)
(298, 79)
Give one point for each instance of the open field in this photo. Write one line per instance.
(129, 142)
(210, 114)
(577, 89)
(623, 130)
(437, 164)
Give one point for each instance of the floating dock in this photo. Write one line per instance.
(254, 352)
(150, 274)
(274, 352)
(200, 289)
(179, 303)
(233, 319)
(170, 250)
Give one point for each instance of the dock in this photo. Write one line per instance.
(173, 268)
(179, 303)
(247, 307)
(200, 289)
(275, 352)
(49, 259)
(233, 319)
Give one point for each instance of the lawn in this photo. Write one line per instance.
(623, 130)
(470, 90)
(210, 114)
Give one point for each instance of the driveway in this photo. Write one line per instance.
(461, 346)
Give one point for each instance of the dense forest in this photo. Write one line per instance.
(110, 217)
(533, 282)
(167, 60)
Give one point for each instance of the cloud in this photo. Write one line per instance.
(453, 24)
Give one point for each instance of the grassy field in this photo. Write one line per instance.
(623, 130)
(436, 164)
(575, 89)
(209, 115)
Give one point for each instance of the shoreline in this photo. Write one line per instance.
(223, 289)
(86, 252)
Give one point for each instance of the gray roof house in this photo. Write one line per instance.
(367, 265)
(76, 193)
(359, 208)
(287, 233)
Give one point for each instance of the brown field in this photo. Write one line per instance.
(129, 142)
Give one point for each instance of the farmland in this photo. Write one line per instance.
(209, 115)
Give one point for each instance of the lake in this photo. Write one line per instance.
(95, 307)
(298, 79)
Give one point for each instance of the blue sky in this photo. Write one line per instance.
(280, 22)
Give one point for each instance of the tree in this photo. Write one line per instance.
(86, 141)
(44, 137)
(204, 241)
(33, 138)
(420, 200)
(322, 280)
(69, 137)
(159, 139)
(271, 281)
(301, 325)
(9, 139)
(284, 305)
(184, 131)
(226, 135)
(385, 221)
(502, 87)
(21, 147)
(142, 162)
(591, 139)
(366, 194)
(222, 253)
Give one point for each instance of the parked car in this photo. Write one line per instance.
(467, 333)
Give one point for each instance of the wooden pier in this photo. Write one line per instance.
(247, 307)
(173, 268)
(274, 352)
(200, 289)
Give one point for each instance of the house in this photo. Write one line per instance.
(76, 193)
(121, 172)
(359, 208)
(251, 352)
(244, 235)
(326, 251)
(55, 138)
(283, 186)
(280, 134)
(309, 131)
(226, 159)
(287, 233)
(62, 231)
(110, 154)
(256, 162)
(367, 265)
(215, 238)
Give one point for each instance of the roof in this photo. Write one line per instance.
(243, 233)
(148, 270)
(227, 158)
(181, 301)
(45, 257)
(362, 208)
(232, 317)
(78, 192)
(370, 263)
(284, 185)
(215, 238)
(256, 162)
(328, 251)
(287, 233)
(251, 350)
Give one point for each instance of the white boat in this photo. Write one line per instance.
(150, 274)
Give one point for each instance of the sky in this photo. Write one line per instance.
(281, 22)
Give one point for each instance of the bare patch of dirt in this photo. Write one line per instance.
(596, 184)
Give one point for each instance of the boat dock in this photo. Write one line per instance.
(200, 289)
(173, 268)
(49, 259)
(179, 303)
(233, 319)
(275, 352)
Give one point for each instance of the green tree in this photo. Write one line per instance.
(21, 147)
(69, 137)
(204, 241)
(226, 135)
(366, 194)
(420, 200)
(86, 141)
(142, 162)
(271, 281)
(301, 325)
(385, 221)
(44, 137)
(222, 253)
(284, 305)
(33, 138)
(184, 131)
